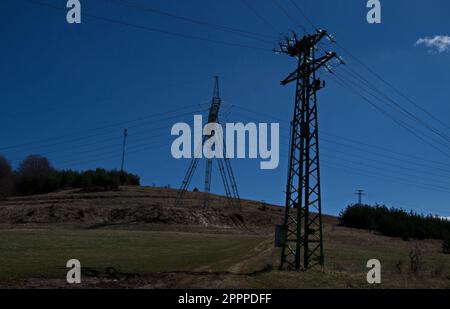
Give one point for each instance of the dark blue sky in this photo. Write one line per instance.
(67, 91)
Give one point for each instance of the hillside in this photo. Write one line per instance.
(132, 206)
(137, 237)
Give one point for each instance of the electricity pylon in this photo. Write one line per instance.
(225, 169)
(302, 229)
(360, 194)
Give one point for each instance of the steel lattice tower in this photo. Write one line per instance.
(302, 229)
(225, 169)
(360, 194)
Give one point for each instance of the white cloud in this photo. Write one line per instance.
(438, 43)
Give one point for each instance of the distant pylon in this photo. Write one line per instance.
(125, 136)
(225, 169)
(360, 194)
(302, 230)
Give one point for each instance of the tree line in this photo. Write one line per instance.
(35, 175)
(395, 222)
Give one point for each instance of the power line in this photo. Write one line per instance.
(398, 106)
(390, 178)
(369, 172)
(393, 104)
(105, 101)
(285, 12)
(99, 141)
(304, 15)
(152, 29)
(108, 155)
(352, 169)
(381, 150)
(345, 84)
(366, 163)
(382, 154)
(357, 76)
(334, 151)
(101, 149)
(402, 123)
(385, 164)
(258, 15)
(64, 138)
(102, 146)
(393, 87)
(107, 149)
(85, 147)
(146, 8)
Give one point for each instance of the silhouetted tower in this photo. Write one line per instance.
(360, 194)
(226, 172)
(302, 229)
(125, 136)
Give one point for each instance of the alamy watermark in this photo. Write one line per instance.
(74, 274)
(374, 14)
(374, 274)
(74, 12)
(214, 141)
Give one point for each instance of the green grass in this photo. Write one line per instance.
(345, 267)
(44, 253)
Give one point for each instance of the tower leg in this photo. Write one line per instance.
(207, 182)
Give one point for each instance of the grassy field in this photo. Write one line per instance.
(173, 259)
(44, 253)
(151, 243)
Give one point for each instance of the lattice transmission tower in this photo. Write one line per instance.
(302, 244)
(360, 194)
(225, 169)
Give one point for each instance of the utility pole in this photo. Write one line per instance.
(125, 136)
(225, 169)
(302, 245)
(360, 194)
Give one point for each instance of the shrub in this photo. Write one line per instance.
(69, 179)
(127, 179)
(263, 206)
(446, 246)
(98, 180)
(6, 178)
(439, 271)
(399, 266)
(416, 263)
